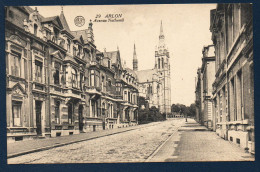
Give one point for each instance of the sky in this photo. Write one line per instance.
(186, 31)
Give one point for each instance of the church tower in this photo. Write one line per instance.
(162, 64)
(135, 61)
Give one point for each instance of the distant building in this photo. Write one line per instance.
(233, 88)
(199, 97)
(155, 84)
(203, 87)
(207, 77)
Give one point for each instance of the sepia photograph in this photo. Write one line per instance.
(138, 83)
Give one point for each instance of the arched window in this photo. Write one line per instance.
(159, 63)
(35, 27)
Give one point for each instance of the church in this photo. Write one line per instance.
(155, 84)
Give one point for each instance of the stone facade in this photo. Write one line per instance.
(58, 83)
(233, 88)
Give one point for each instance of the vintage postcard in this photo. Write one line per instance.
(129, 83)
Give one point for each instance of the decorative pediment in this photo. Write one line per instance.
(18, 90)
(58, 55)
(16, 39)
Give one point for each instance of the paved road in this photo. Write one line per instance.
(195, 143)
(131, 146)
(170, 141)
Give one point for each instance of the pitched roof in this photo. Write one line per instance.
(132, 72)
(79, 33)
(112, 55)
(64, 22)
(145, 75)
(55, 20)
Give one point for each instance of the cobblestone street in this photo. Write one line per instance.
(171, 141)
(131, 146)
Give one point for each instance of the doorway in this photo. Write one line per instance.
(80, 118)
(38, 111)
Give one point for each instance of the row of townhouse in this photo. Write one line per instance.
(58, 83)
(225, 98)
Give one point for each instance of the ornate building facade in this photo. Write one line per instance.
(233, 87)
(58, 83)
(155, 84)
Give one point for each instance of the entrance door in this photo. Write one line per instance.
(80, 118)
(38, 110)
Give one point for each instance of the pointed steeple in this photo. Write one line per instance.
(161, 36)
(135, 61)
(134, 52)
(64, 21)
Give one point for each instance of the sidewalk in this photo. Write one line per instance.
(29, 146)
(194, 142)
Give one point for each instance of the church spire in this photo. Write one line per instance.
(135, 61)
(161, 36)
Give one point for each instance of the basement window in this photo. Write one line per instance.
(20, 138)
(238, 141)
(231, 139)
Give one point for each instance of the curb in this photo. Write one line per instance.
(71, 142)
(62, 144)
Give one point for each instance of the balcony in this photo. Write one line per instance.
(93, 90)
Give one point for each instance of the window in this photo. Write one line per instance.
(15, 62)
(81, 81)
(11, 14)
(70, 112)
(159, 63)
(57, 112)
(239, 96)
(35, 27)
(92, 78)
(16, 107)
(57, 74)
(74, 51)
(97, 81)
(79, 51)
(74, 78)
(128, 96)
(103, 108)
(38, 71)
(111, 113)
(68, 45)
(162, 62)
(125, 95)
(108, 64)
(103, 81)
(25, 68)
(229, 27)
(93, 108)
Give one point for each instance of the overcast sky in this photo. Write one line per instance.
(185, 26)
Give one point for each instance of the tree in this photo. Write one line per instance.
(175, 108)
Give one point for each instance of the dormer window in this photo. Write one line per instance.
(74, 51)
(78, 54)
(35, 27)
